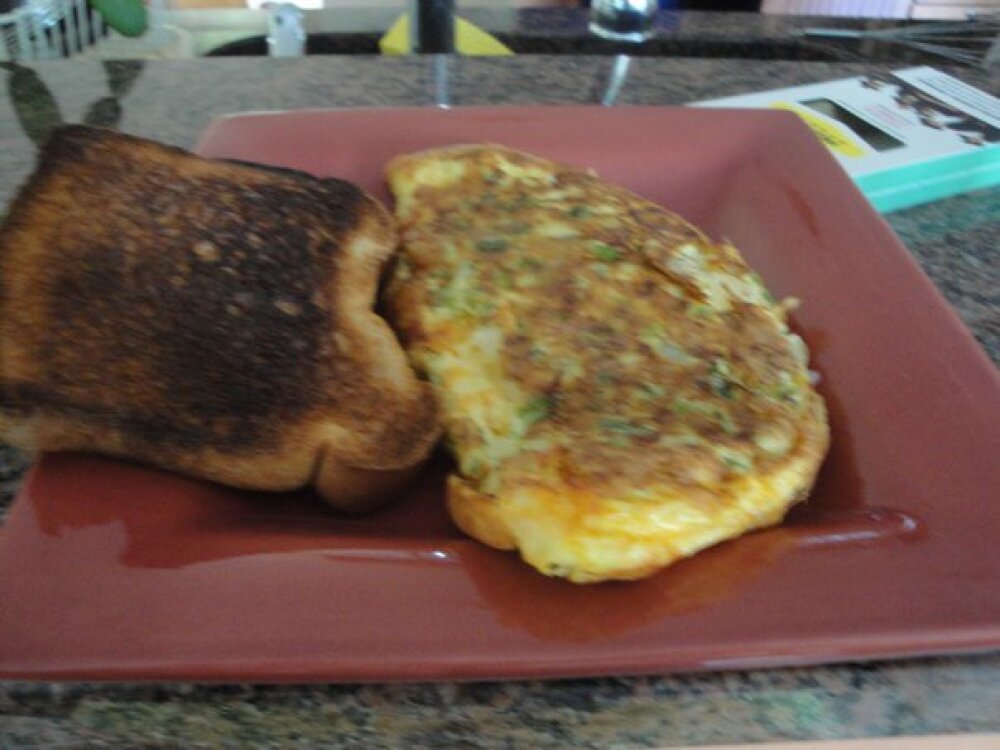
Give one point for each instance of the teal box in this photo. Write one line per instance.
(909, 137)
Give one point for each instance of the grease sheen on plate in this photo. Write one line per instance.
(904, 504)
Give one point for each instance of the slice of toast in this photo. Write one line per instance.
(208, 317)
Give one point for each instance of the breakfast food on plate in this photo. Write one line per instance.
(208, 317)
(619, 391)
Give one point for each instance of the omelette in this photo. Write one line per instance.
(619, 391)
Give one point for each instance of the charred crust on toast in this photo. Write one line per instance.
(221, 280)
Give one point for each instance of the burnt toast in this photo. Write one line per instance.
(212, 318)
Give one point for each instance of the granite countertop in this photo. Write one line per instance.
(954, 240)
(356, 29)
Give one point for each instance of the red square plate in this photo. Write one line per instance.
(115, 571)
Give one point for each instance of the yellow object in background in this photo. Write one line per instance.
(834, 135)
(469, 39)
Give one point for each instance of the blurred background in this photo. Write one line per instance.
(855, 8)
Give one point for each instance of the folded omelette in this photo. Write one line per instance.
(619, 391)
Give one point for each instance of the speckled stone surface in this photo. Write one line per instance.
(954, 240)
(718, 34)
(673, 33)
(895, 698)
